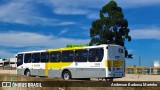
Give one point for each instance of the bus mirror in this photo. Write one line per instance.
(107, 47)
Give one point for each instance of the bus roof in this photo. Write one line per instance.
(72, 48)
(64, 49)
(77, 48)
(33, 51)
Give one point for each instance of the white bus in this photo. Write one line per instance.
(102, 61)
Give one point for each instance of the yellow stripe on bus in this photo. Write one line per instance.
(59, 65)
(46, 69)
(114, 63)
(64, 49)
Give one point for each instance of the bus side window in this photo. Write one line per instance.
(55, 56)
(67, 56)
(81, 55)
(96, 55)
(27, 58)
(19, 59)
(44, 57)
(36, 57)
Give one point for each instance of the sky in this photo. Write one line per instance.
(27, 25)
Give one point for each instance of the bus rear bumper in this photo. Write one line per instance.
(114, 75)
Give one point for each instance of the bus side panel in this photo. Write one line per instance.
(58, 73)
(90, 72)
(34, 72)
(55, 69)
(54, 73)
(36, 69)
(37, 72)
(20, 71)
(41, 72)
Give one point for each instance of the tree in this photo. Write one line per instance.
(111, 28)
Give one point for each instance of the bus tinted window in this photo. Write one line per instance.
(67, 56)
(96, 55)
(55, 56)
(81, 55)
(36, 57)
(19, 59)
(27, 58)
(44, 57)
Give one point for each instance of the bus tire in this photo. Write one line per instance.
(27, 73)
(66, 75)
(109, 79)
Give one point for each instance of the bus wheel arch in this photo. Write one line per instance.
(27, 72)
(66, 74)
(109, 79)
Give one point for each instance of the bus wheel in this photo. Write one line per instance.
(66, 75)
(27, 73)
(109, 79)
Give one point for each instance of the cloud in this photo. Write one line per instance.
(63, 31)
(137, 3)
(18, 12)
(66, 11)
(66, 7)
(91, 8)
(66, 23)
(24, 39)
(146, 33)
(26, 12)
(77, 7)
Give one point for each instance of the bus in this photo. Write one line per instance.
(104, 61)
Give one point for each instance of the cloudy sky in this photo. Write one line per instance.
(41, 24)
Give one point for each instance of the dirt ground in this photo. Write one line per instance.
(139, 77)
(128, 77)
